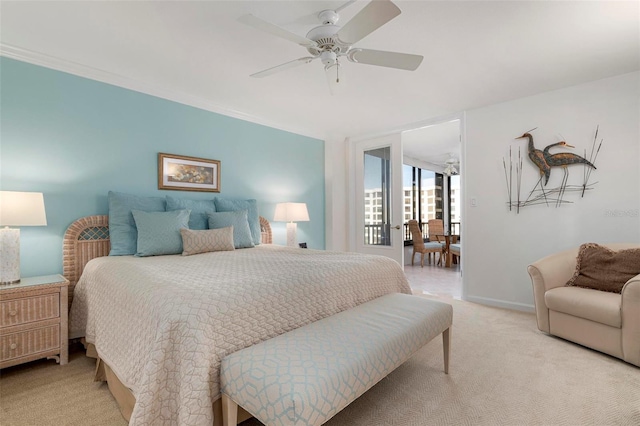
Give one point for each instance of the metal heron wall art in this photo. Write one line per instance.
(545, 162)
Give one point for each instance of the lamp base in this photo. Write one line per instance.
(292, 229)
(9, 255)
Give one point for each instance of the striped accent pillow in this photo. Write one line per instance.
(208, 240)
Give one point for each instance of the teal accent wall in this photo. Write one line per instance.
(74, 139)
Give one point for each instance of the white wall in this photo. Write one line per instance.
(336, 188)
(499, 244)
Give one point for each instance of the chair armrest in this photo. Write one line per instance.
(631, 321)
(547, 273)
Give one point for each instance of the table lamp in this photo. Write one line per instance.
(291, 213)
(17, 209)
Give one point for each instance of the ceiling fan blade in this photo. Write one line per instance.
(350, 2)
(273, 29)
(373, 16)
(281, 67)
(403, 61)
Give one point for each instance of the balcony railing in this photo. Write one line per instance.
(379, 235)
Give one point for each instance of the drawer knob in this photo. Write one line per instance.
(13, 346)
(13, 313)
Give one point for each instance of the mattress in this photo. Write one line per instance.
(164, 323)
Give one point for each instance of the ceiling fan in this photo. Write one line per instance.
(331, 42)
(450, 166)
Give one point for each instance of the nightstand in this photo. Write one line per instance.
(34, 320)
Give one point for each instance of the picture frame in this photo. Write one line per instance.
(182, 173)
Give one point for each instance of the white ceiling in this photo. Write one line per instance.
(433, 144)
(476, 53)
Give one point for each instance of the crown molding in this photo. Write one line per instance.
(80, 70)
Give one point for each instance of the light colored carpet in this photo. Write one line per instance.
(503, 372)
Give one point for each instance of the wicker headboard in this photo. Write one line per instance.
(88, 238)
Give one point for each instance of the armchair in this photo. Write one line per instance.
(604, 321)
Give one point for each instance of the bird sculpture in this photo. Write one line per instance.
(538, 158)
(563, 159)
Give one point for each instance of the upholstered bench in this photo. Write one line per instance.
(306, 376)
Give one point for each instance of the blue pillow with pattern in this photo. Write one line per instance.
(159, 232)
(251, 206)
(122, 228)
(238, 219)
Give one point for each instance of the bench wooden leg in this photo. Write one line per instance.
(446, 345)
(229, 411)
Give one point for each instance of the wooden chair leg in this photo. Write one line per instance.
(422, 260)
(446, 345)
(413, 256)
(229, 411)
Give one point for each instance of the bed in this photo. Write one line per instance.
(161, 325)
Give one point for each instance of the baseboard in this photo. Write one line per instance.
(515, 306)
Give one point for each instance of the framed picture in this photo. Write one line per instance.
(188, 173)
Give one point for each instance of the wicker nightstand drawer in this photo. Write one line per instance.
(29, 309)
(29, 342)
(34, 320)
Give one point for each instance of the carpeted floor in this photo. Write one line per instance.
(503, 372)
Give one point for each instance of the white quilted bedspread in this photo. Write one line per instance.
(164, 323)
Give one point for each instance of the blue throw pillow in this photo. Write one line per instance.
(199, 210)
(122, 227)
(229, 205)
(159, 232)
(237, 219)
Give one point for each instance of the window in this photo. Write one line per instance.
(423, 195)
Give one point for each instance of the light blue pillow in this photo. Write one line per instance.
(159, 232)
(229, 205)
(199, 210)
(122, 227)
(237, 219)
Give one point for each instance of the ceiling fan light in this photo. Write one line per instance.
(328, 58)
(450, 170)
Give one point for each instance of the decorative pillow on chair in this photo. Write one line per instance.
(601, 268)
(122, 228)
(229, 205)
(159, 232)
(199, 209)
(238, 219)
(208, 240)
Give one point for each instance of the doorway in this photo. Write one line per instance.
(437, 162)
(432, 182)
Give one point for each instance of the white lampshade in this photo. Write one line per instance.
(291, 212)
(17, 209)
(22, 209)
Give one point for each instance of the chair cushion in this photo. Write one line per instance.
(599, 306)
(432, 246)
(454, 248)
